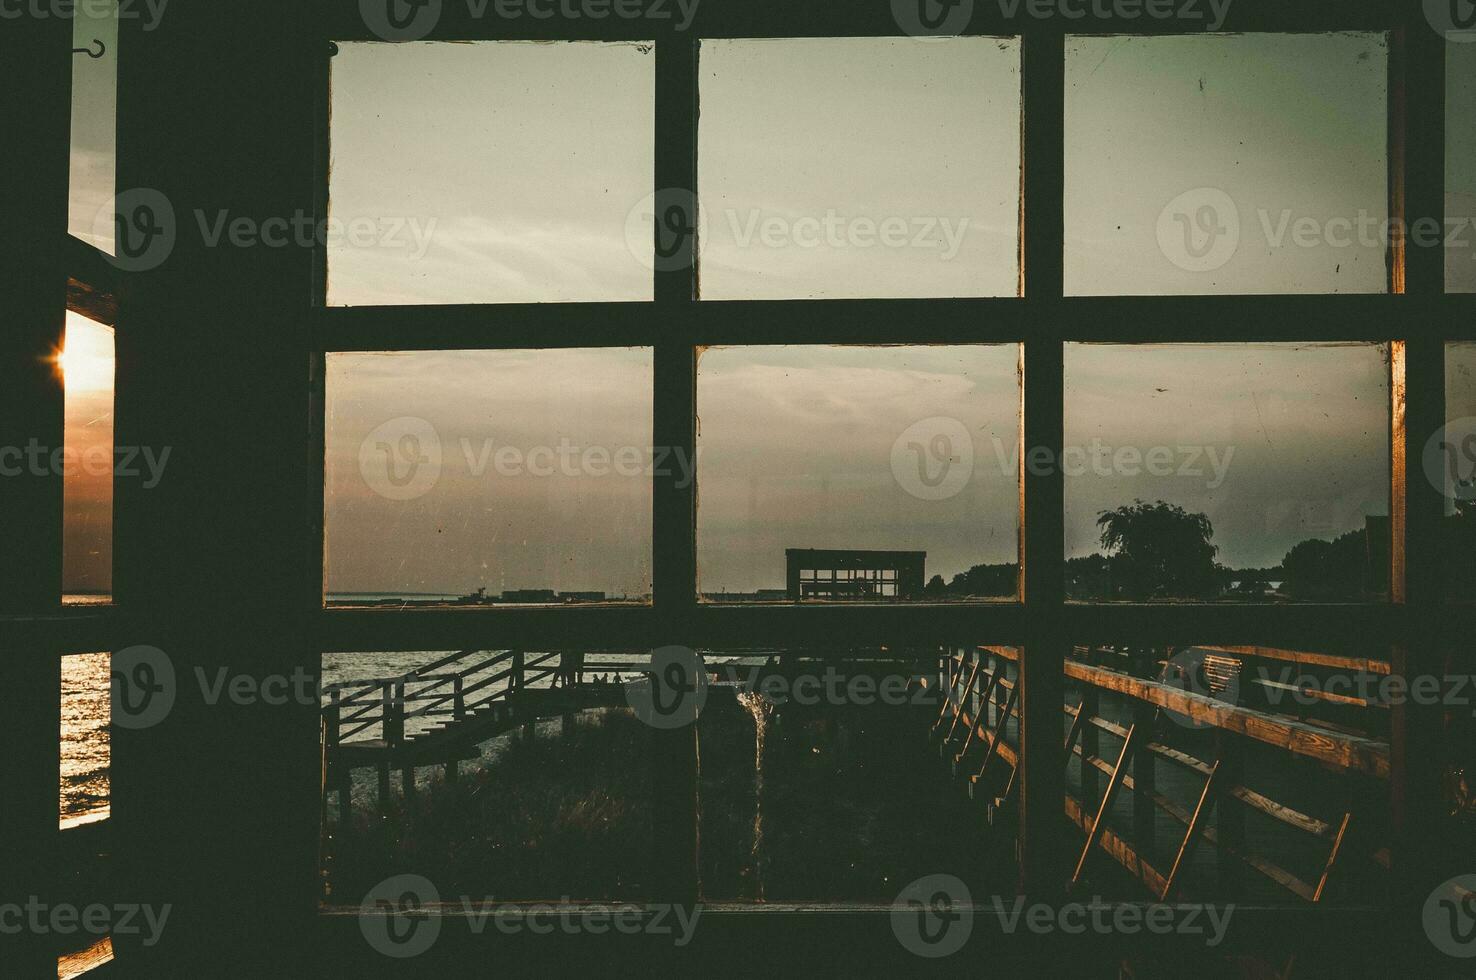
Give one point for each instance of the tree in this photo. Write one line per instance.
(1327, 570)
(935, 587)
(1159, 550)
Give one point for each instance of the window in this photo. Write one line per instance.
(858, 473)
(86, 363)
(539, 309)
(1263, 470)
(94, 123)
(886, 168)
(1179, 181)
(519, 190)
(488, 476)
(1460, 166)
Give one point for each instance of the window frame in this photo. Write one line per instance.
(1417, 317)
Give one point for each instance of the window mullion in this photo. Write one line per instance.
(1042, 520)
(674, 430)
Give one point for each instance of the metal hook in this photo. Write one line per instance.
(102, 49)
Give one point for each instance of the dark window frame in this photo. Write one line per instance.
(1417, 317)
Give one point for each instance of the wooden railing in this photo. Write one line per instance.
(451, 687)
(979, 703)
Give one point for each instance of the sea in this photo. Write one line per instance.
(85, 708)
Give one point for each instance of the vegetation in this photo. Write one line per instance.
(1161, 551)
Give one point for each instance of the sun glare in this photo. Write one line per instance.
(86, 357)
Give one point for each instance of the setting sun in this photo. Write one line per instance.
(86, 357)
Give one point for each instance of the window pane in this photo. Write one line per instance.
(1460, 163)
(509, 795)
(490, 173)
(874, 473)
(1450, 462)
(85, 714)
(1247, 163)
(86, 802)
(87, 478)
(94, 121)
(1256, 472)
(860, 167)
(819, 782)
(1296, 741)
(523, 473)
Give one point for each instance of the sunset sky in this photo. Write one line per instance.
(519, 172)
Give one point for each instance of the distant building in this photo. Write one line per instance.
(581, 597)
(827, 574)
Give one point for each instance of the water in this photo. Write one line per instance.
(84, 738)
(85, 714)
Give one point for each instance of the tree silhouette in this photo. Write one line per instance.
(1327, 570)
(1159, 550)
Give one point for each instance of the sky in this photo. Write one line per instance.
(520, 172)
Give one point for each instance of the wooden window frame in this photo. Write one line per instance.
(1417, 318)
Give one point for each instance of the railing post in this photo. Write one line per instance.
(458, 708)
(1144, 783)
(333, 716)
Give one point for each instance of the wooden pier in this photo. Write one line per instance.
(1176, 758)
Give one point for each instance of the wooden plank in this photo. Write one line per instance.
(1316, 693)
(1120, 850)
(997, 738)
(1191, 834)
(1363, 665)
(74, 965)
(1347, 752)
(1332, 857)
(1269, 869)
(1115, 781)
(958, 709)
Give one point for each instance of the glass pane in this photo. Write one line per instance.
(490, 173)
(94, 120)
(1460, 163)
(513, 476)
(85, 714)
(86, 362)
(1450, 462)
(528, 776)
(860, 167)
(1245, 163)
(865, 473)
(1252, 472)
(1296, 742)
(820, 781)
